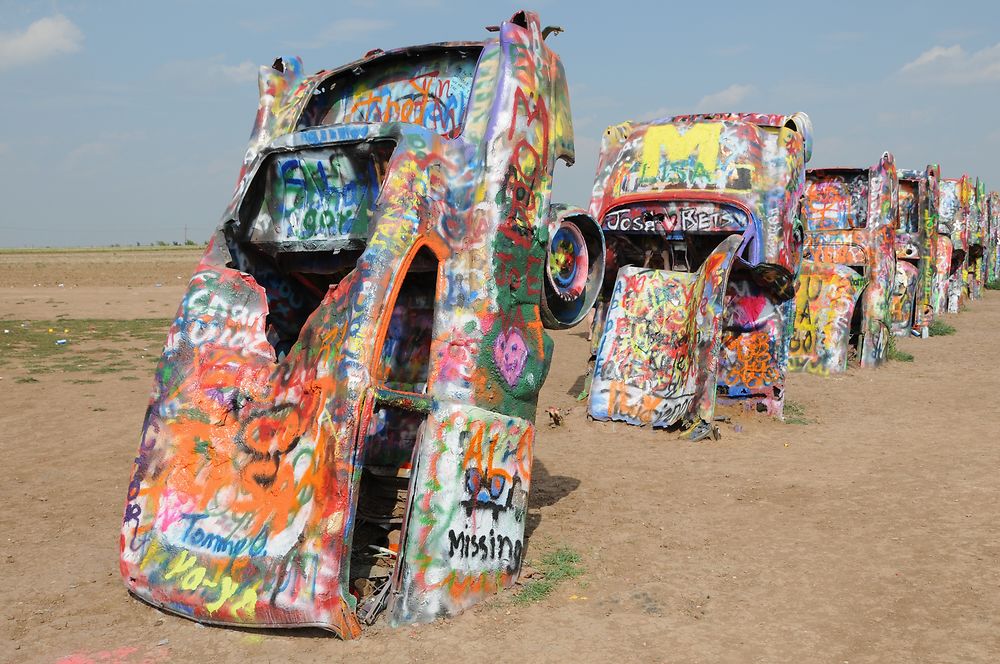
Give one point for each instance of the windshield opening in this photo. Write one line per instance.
(909, 208)
(302, 225)
(835, 202)
(426, 87)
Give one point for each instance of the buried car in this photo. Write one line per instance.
(848, 266)
(950, 274)
(992, 238)
(976, 270)
(699, 217)
(342, 418)
(916, 244)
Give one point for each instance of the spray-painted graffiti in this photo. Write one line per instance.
(837, 203)
(860, 235)
(510, 355)
(942, 270)
(323, 194)
(433, 91)
(916, 244)
(993, 237)
(954, 211)
(904, 291)
(825, 298)
(676, 217)
(356, 364)
(977, 269)
(469, 533)
(656, 363)
(666, 193)
(755, 343)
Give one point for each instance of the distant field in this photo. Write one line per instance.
(90, 250)
(117, 267)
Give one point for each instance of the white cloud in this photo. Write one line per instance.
(955, 65)
(212, 70)
(243, 72)
(659, 113)
(717, 102)
(934, 55)
(46, 37)
(724, 100)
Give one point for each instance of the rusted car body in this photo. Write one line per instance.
(848, 253)
(342, 419)
(954, 208)
(916, 251)
(699, 216)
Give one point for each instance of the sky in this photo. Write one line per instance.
(126, 122)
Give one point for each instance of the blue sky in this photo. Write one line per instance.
(127, 121)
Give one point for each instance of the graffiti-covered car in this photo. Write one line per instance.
(848, 267)
(976, 268)
(950, 275)
(342, 419)
(699, 217)
(916, 244)
(993, 237)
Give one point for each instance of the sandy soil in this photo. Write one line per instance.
(868, 535)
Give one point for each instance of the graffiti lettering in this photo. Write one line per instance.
(486, 547)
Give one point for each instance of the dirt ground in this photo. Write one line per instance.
(869, 534)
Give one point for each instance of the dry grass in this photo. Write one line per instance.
(70, 345)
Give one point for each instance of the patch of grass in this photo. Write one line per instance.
(26, 379)
(92, 344)
(84, 381)
(893, 354)
(896, 355)
(795, 413)
(557, 566)
(939, 328)
(993, 285)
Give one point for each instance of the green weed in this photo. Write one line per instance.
(795, 413)
(893, 353)
(939, 328)
(98, 345)
(557, 566)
